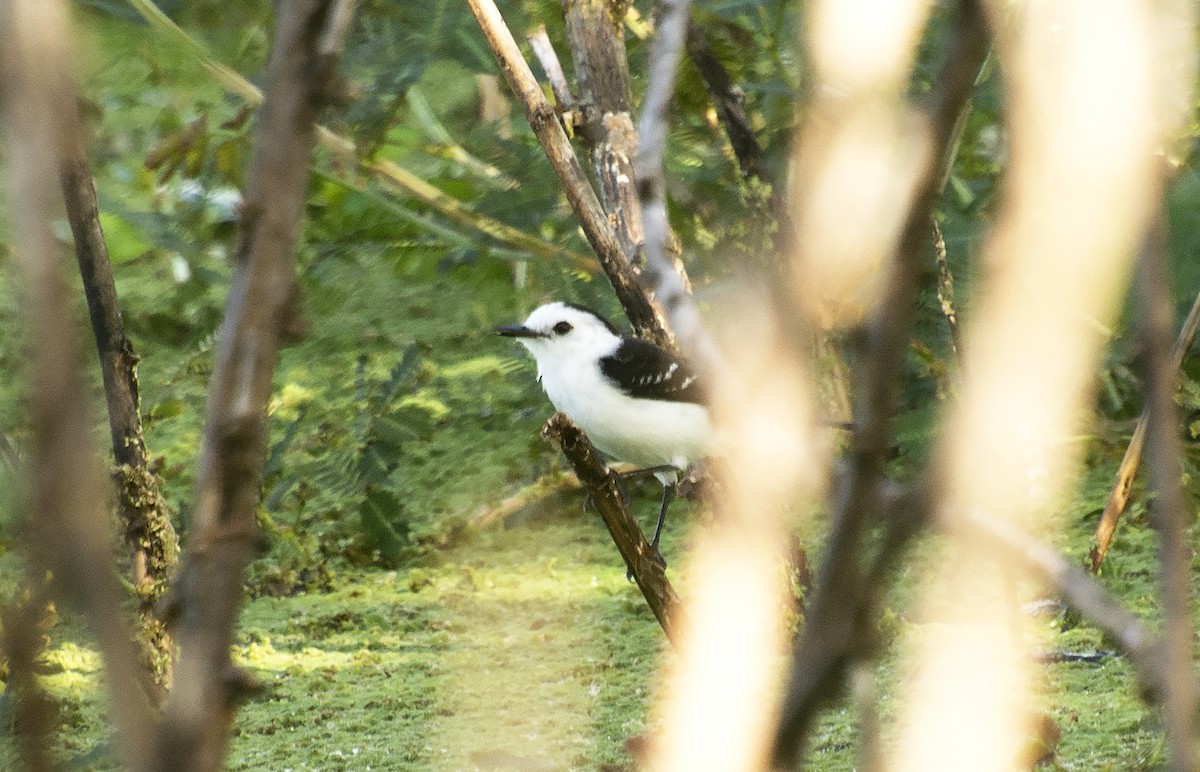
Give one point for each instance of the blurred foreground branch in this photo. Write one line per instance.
(833, 632)
(262, 313)
(664, 272)
(1169, 511)
(65, 519)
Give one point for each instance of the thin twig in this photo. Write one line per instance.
(1168, 510)
(832, 631)
(601, 484)
(592, 216)
(945, 287)
(543, 49)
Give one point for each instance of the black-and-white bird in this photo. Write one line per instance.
(637, 402)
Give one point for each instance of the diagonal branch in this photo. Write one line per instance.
(626, 533)
(1118, 497)
(728, 99)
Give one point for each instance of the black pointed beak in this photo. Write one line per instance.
(516, 331)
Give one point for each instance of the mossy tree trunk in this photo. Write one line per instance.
(145, 521)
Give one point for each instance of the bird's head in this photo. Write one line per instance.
(563, 331)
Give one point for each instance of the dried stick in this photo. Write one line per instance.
(639, 556)
(592, 216)
(262, 312)
(1169, 513)
(65, 519)
(831, 634)
(542, 489)
(945, 288)
(1118, 498)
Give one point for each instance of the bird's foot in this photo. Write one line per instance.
(657, 557)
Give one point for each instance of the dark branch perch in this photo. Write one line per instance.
(147, 524)
(1118, 498)
(65, 519)
(592, 217)
(1169, 511)
(261, 314)
(626, 533)
(833, 630)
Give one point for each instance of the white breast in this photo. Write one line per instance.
(642, 432)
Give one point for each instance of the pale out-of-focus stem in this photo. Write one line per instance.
(837, 625)
(1029, 354)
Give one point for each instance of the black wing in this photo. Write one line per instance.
(641, 369)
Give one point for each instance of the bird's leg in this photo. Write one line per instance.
(668, 497)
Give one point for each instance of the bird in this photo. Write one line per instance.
(638, 402)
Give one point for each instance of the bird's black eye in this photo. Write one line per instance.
(562, 328)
